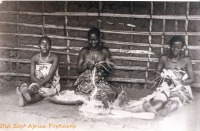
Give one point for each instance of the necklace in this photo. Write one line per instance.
(45, 59)
(177, 60)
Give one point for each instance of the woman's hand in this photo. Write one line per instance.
(90, 65)
(34, 88)
(47, 85)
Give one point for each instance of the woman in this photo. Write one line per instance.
(93, 65)
(44, 75)
(176, 75)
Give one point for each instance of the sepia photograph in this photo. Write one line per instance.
(99, 65)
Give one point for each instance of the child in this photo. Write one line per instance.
(178, 68)
(44, 75)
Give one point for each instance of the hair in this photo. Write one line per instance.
(45, 38)
(97, 32)
(94, 30)
(176, 39)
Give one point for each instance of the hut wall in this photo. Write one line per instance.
(136, 33)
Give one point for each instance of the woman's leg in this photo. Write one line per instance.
(22, 101)
(174, 105)
(148, 107)
(169, 107)
(153, 106)
(28, 97)
(35, 98)
(157, 104)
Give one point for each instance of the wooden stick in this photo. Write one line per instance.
(135, 58)
(32, 49)
(111, 50)
(113, 57)
(186, 27)
(150, 39)
(105, 41)
(18, 41)
(163, 30)
(68, 41)
(102, 30)
(167, 17)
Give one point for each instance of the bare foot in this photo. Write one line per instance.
(149, 108)
(166, 110)
(22, 101)
(120, 99)
(24, 90)
(163, 112)
(105, 101)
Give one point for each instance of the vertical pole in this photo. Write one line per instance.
(43, 19)
(18, 41)
(68, 42)
(100, 7)
(176, 26)
(176, 22)
(186, 28)
(131, 47)
(150, 40)
(163, 31)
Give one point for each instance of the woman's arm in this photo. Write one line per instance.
(190, 72)
(107, 54)
(33, 68)
(107, 65)
(81, 67)
(160, 64)
(52, 70)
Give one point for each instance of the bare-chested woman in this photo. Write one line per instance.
(98, 56)
(178, 68)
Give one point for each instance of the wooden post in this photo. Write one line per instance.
(67, 45)
(132, 39)
(163, 31)
(43, 19)
(100, 7)
(176, 21)
(186, 28)
(18, 42)
(150, 40)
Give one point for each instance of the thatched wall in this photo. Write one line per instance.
(136, 33)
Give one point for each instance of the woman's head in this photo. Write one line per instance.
(45, 44)
(175, 39)
(94, 37)
(176, 45)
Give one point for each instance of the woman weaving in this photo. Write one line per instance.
(177, 67)
(94, 57)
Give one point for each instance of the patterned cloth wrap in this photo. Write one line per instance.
(85, 86)
(52, 87)
(170, 87)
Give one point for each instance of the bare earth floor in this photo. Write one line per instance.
(48, 116)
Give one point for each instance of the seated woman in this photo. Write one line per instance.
(44, 75)
(93, 65)
(176, 77)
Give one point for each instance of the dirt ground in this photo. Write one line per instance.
(48, 116)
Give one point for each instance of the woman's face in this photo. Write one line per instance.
(93, 40)
(176, 48)
(44, 46)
